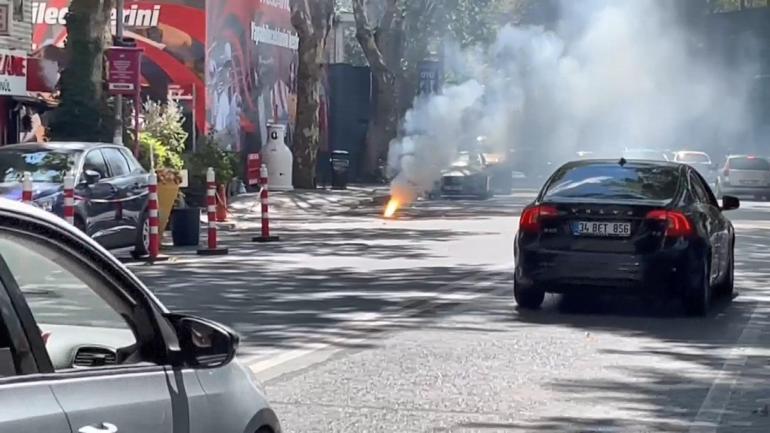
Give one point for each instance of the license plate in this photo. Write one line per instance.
(593, 228)
(453, 188)
(749, 182)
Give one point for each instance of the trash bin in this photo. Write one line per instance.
(185, 226)
(340, 163)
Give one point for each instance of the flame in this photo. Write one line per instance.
(391, 208)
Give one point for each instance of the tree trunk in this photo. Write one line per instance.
(380, 49)
(308, 133)
(313, 20)
(83, 113)
(383, 126)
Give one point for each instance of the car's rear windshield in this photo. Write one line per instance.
(612, 181)
(749, 163)
(45, 165)
(693, 157)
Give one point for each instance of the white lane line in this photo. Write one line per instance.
(710, 413)
(259, 364)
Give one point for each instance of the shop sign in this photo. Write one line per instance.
(13, 72)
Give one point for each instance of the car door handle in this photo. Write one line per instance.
(104, 427)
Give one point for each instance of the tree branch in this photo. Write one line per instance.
(366, 37)
(301, 18)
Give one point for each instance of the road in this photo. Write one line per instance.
(359, 324)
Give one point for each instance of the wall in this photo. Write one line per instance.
(21, 31)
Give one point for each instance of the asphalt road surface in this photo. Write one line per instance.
(359, 324)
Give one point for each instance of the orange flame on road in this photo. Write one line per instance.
(391, 208)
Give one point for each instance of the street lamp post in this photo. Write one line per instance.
(118, 137)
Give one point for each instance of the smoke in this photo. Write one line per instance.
(49, 72)
(611, 75)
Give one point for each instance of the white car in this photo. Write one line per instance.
(744, 175)
(700, 161)
(85, 347)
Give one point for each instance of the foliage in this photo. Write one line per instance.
(84, 112)
(164, 156)
(211, 154)
(165, 122)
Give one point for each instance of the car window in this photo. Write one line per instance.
(116, 161)
(612, 182)
(748, 163)
(693, 157)
(699, 190)
(44, 165)
(95, 161)
(78, 326)
(133, 164)
(7, 364)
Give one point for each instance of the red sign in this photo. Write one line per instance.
(124, 70)
(254, 163)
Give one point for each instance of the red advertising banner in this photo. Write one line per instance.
(124, 70)
(254, 164)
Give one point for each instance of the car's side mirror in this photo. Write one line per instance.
(91, 177)
(729, 202)
(205, 343)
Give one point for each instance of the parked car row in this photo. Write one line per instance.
(111, 187)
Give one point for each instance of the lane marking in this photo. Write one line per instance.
(718, 397)
(269, 366)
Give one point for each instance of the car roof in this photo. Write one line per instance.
(57, 145)
(746, 156)
(629, 162)
(691, 152)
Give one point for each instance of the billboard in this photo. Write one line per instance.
(239, 54)
(171, 33)
(251, 71)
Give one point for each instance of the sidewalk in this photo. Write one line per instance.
(304, 203)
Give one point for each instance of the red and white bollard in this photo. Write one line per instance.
(265, 201)
(211, 203)
(26, 188)
(69, 198)
(154, 220)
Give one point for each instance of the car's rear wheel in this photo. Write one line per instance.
(142, 242)
(697, 297)
(727, 285)
(528, 297)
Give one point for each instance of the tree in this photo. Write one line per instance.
(313, 20)
(84, 112)
(383, 49)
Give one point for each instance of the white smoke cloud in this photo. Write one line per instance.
(613, 74)
(49, 72)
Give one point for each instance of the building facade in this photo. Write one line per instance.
(231, 63)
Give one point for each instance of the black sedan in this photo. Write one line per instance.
(111, 187)
(641, 227)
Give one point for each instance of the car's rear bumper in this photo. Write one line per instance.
(662, 272)
(462, 187)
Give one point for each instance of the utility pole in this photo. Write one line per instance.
(118, 137)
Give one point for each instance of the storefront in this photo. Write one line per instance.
(18, 109)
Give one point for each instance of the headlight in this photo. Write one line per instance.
(46, 203)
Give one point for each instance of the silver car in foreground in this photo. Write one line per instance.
(85, 347)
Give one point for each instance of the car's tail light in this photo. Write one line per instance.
(677, 223)
(531, 217)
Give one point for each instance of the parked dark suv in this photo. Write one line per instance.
(111, 187)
